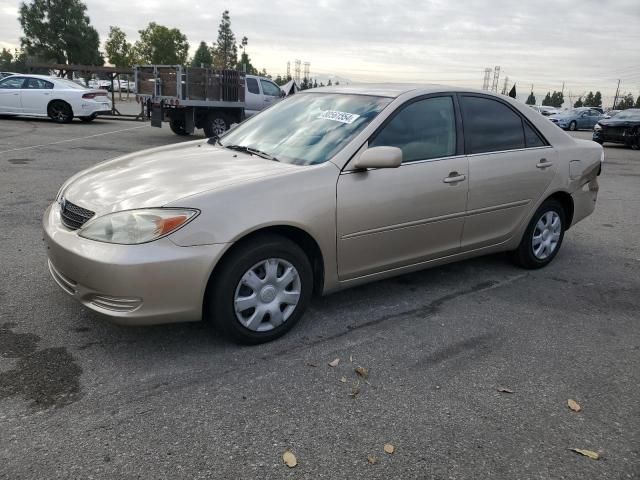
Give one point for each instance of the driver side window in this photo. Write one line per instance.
(12, 83)
(422, 130)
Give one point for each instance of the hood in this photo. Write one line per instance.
(619, 122)
(153, 178)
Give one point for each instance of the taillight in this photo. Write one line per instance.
(89, 95)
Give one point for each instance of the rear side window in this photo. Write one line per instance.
(490, 126)
(252, 86)
(422, 130)
(531, 137)
(38, 84)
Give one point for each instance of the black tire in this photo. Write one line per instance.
(524, 256)
(177, 126)
(216, 123)
(60, 112)
(88, 119)
(219, 302)
(573, 126)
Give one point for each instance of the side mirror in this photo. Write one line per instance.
(379, 157)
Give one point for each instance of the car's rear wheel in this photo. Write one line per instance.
(543, 237)
(177, 126)
(60, 112)
(260, 290)
(573, 126)
(215, 124)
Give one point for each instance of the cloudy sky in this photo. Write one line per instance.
(588, 44)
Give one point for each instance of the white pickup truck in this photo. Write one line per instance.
(190, 98)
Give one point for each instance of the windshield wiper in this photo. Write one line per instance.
(251, 151)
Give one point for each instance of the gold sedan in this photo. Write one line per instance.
(325, 190)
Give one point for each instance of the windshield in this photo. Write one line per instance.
(629, 114)
(306, 129)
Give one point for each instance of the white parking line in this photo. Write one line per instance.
(73, 139)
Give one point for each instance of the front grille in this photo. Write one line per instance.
(74, 216)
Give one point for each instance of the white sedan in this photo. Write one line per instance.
(57, 98)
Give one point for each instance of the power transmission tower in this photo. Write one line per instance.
(307, 66)
(496, 79)
(505, 86)
(615, 99)
(296, 70)
(487, 79)
(288, 70)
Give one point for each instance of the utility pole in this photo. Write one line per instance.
(496, 79)
(487, 79)
(563, 89)
(615, 99)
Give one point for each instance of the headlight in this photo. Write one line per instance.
(597, 127)
(132, 227)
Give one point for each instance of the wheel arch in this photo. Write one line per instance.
(54, 100)
(302, 238)
(567, 203)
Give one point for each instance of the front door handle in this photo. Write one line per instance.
(544, 163)
(454, 177)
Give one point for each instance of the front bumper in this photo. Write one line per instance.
(152, 283)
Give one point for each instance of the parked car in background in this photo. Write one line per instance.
(57, 98)
(623, 128)
(545, 110)
(6, 74)
(583, 118)
(611, 113)
(327, 189)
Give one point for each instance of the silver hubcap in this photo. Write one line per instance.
(219, 127)
(267, 295)
(546, 235)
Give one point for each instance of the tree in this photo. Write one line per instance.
(161, 45)
(546, 101)
(557, 99)
(280, 81)
(625, 102)
(531, 99)
(226, 50)
(588, 101)
(329, 83)
(6, 60)
(597, 99)
(579, 103)
(244, 65)
(59, 31)
(202, 56)
(119, 51)
(638, 102)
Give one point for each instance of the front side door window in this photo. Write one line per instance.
(423, 130)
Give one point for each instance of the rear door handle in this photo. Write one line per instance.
(454, 177)
(544, 163)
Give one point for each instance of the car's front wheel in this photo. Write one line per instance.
(215, 124)
(543, 237)
(260, 290)
(573, 126)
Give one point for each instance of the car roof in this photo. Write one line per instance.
(393, 90)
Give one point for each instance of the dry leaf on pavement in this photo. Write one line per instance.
(505, 390)
(587, 453)
(334, 363)
(343, 379)
(573, 405)
(372, 459)
(362, 372)
(388, 448)
(289, 459)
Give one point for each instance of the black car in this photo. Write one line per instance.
(623, 128)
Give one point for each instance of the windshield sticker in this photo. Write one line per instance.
(342, 117)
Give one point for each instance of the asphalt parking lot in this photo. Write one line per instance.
(82, 398)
